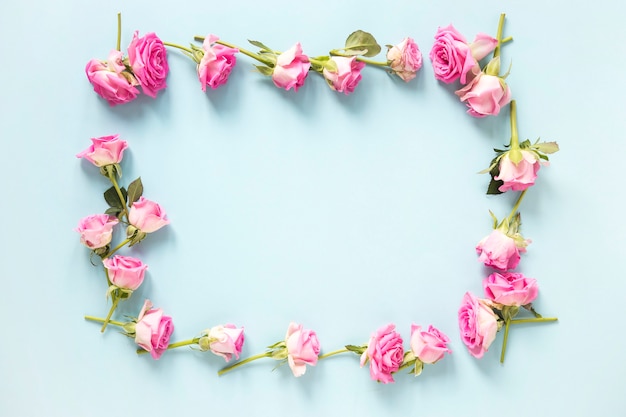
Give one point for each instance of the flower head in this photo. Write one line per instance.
(499, 251)
(405, 59)
(291, 69)
(385, 353)
(510, 289)
(105, 150)
(478, 324)
(485, 95)
(224, 341)
(303, 348)
(216, 64)
(111, 81)
(518, 176)
(346, 76)
(125, 272)
(147, 216)
(153, 330)
(96, 230)
(148, 59)
(430, 345)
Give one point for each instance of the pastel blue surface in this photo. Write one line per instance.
(343, 213)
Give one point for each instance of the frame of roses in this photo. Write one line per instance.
(454, 59)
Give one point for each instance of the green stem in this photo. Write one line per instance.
(99, 320)
(111, 176)
(517, 204)
(115, 249)
(119, 32)
(175, 45)
(507, 323)
(335, 52)
(334, 352)
(116, 300)
(534, 320)
(507, 39)
(496, 52)
(242, 50)
(514, 137)
(175, 345)
(243, 362)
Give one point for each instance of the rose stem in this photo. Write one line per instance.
(517, 204)
(175, 45)
(115, 249)
(336, 52)
(99, 320)
(111, 176)
(116, 300)
(119, 31)
(514, 137)
(329, 354)
(535, 320)
(174, 345)
(504, 340)
(243, 362)
(496, 52)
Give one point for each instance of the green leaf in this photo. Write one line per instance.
(525, 145)
(547, 147)
(112, 199)
(356, 349)
(260, 46)
(113, 211)
(492, 189)
(265, 70)
(135, 190)
(362, 41)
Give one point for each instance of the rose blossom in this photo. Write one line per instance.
(105, 150)
(226, 340)
(148, 59)
(485, 95)
(478, 324)
(216, 63)
(96, 230)
(428, 346)
(125, 272)
(510, 289)
(405, 59)
(385, 353)
(454, 58)
(147, 215)
(110, 81)
(346, 77)
(153, 330)
(302, 348)
(498, 251)
(520, 176)
(292, 67)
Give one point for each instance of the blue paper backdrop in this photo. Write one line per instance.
(343, 213)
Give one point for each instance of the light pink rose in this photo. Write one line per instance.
(385, 353)
(478, 324)
(153, 330)
(96, 230)
(105, 150)
(147, 215)
(302, 348)
(347, 76)
(520, 176)
(499, 251)
(405, 59)
(216, 63)
(485, 95)
(125, 272)
(454, 58)
(292, 67)
(148, 59)
(110, 81)
(510, 289)
(226, 341)
(429, 346)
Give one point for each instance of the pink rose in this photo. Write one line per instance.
(153, 330)
(346, 77)
(96, 230)
(147, 215)
(385, 353)
(226, 341)
(105, 150)
(428, 346)
(148, 59)
(110, 81)
(453, 58)
(520, 176)
(485, 95)
(216, 63)
(478, 324)
(405, 59)
(125, 272)
(302, 348)
(510, 289)
(292, 67)
(499, 251)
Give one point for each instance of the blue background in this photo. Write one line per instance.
(343, 213)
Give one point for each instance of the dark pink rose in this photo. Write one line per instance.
(105, 150)
(499, 251)
(96, 230)
(510, 289)
(478, 324)
(147, 215)
(520, 176)
(292, 68)
(148, 59)
(153, 330)
(428, 346)
(385, 353)
(453, 58)
(216, 63)
(302, 348)
(226, 341)
(405, 59)
(485, 95)
(346, 77)
(125, 272)
(110, 81)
